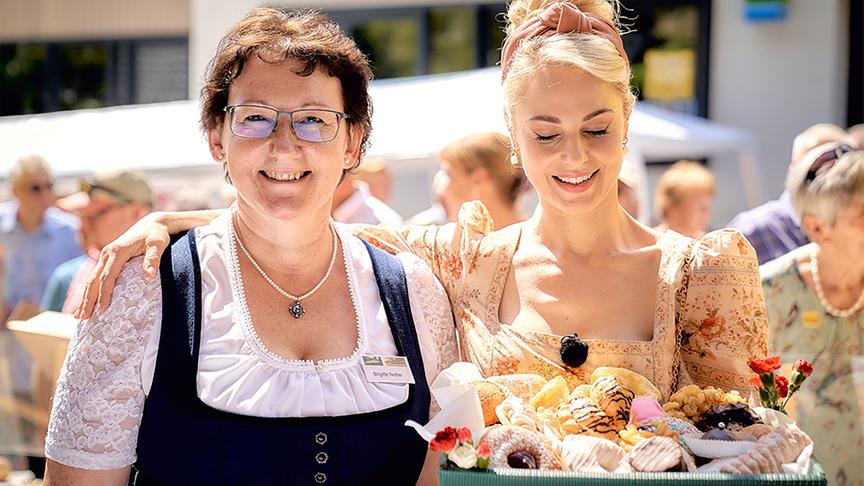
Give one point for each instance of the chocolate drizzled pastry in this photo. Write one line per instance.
(730, 416)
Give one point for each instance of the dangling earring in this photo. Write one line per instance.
(515, 160)
(624, 145)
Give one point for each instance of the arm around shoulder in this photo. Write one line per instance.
(99, 400)
(724, 322)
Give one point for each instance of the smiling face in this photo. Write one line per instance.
(280, 175)
(569, 128)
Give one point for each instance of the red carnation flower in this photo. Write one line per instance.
(782, 385)
(755, 382)
(484, 450)
(463, 434)
(803, 366)
(444, 441)
(767, 365)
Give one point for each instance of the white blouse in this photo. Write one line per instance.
(110, 363)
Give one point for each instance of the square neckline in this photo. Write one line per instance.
(660, 290)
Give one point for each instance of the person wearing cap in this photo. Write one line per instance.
(108, 204)
(34, 235)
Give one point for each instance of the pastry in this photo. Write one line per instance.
(782, 446)
(551, 395)
(524, 386)
(691, 401)
(581, 391)
(584, 417)
(613, 398)
(757, 430)
(491, 395)
(592, 454)
(644, 410)
(636, 383)
(520, 447)
(513, 411)
(733, 416)
(656, 454)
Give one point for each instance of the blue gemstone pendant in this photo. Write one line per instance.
(297, 309)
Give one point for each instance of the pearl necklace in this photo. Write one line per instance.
(297, 310)
(820, 293)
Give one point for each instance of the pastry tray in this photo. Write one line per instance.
(461, 477)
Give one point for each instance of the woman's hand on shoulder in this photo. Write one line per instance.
(148, 237)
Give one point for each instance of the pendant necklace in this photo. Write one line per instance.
(297, 310)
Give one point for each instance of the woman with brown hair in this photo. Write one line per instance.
(246, 361)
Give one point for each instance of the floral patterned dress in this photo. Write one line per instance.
(723, 318)
(830, 404)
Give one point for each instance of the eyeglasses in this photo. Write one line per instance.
(826, 161)
(36, 188)
(256, 121)
(88, 186)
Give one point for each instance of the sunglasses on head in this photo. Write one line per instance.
(88, 186)
(36, 188)
(826, 161)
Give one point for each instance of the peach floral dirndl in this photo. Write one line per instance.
(723, 319)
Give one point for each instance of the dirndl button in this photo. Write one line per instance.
(320, 478)
(320, 438)
(321, 457)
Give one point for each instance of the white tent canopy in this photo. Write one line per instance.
(413, 119)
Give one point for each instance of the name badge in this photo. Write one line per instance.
(387, 369)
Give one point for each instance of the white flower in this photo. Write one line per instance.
(463, 456)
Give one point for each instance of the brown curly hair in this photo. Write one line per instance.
(275, 35)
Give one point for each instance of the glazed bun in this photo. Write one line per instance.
(521, 11)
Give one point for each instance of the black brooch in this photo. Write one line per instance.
(574, 352)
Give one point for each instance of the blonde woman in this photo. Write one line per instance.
(684, 197)
(477, 168)
(580, 264)
(815, 295)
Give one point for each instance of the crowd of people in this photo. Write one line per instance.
(240, 328)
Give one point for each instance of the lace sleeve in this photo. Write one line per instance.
(724, 316)
(99, 399)
(433, 317)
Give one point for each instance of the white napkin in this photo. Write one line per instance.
(459, 402)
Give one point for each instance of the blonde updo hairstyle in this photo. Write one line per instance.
(591, 53)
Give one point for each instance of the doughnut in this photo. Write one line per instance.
(584, 417)
(613, 398)
(491, 395)
(506, 440)
(524, 386)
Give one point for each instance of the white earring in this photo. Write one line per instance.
(348, 161)
(219, 156)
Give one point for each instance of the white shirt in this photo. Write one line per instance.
(109, 367)
(362, 207)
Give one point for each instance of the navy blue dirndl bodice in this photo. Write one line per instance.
(186, 442)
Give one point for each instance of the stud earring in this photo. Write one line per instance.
(219, 156)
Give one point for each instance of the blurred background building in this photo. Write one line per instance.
(719, 59)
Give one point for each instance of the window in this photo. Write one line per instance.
(44, 77)
(668, 50)
(414, 41)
